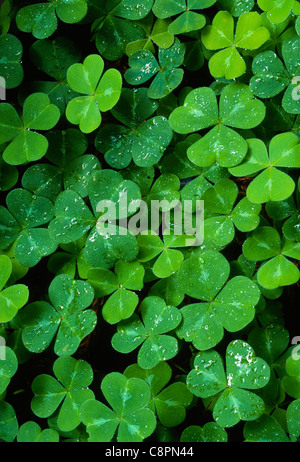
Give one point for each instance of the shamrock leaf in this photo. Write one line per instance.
(72, 170)
(54, 57)
(209, 433)
(21, 224)
(292, 414)
(167, 76)
(8, 422)
(244, 371)
(9, 174)
(101, 92)
(168, 402)
(269, 342)
(163, 192)
(65, 146)
(168, 289)
(67, 319)
(140, 139)
(48, 180)
(73, 219)
(249, 34)
(65, 394)
(8, 367)
(272, 184)
(5, 20)
(279, 11)
(236, 7)
(40, 19)
(155, 34)
(187, 19)
(31, 432)
(26, 145)
(157, 320)
(222, 144)
(263, 430)
(11, 51)
(265, 244)
(224, 306)
(290, 228)
(18, 270)
(184, 168)
(291, 381)
(128, 277)
(129, 417)
(117, 26)
(70, 260)
(169, 258)
(271, 76)
(12, 298)
(222, 216)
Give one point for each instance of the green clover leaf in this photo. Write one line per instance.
(48, 180)
(129, 417)
(244, 371)
(65, 394)
(26, 144)
(140, 139)
(236, 7)
(269, 342)
(187, 19)
(265, 245)
(169, 258)
(8, 422)
(263, 430)
(157, 319)
(41, 20)
(66, 319)
(237, 109)
(167, 76)
(168, 402)
(70, 260)
(209, 433)
(8, 367)
(12, 298)
(222, 215)
(186, 170)
(168, 289)
(128, 277)
(31, 432)
(249, 34)
(225, 305)
(291, 381)
(117, 26)
(279, 11)
(156, 33)
(73, 219)
(21, 224)
(5, 20)
(272, 184)
(11, 51)
(102, 92)
(54, 57)
(292, 414)
(9, 174)
(271, 76)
